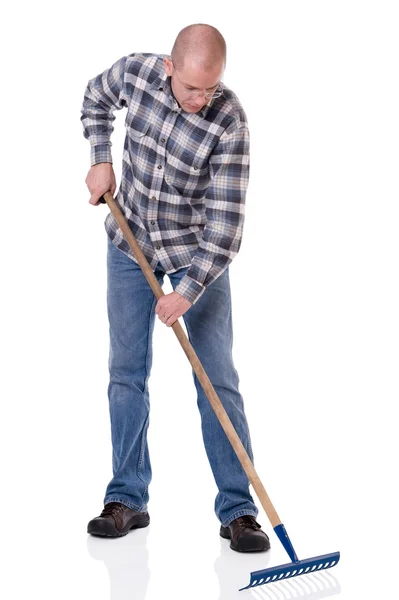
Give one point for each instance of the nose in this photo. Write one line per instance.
(199, 100)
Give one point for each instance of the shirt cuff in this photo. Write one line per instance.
(190, 289)
(100, 154)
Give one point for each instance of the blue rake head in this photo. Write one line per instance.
(293, 569)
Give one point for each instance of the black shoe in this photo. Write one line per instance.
(116, 520)
(245, 535)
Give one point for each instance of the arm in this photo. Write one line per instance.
(225, 204)
(104, 93)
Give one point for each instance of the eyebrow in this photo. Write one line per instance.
(194, 88)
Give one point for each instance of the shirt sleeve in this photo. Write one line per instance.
(104, 94)
(225, 210)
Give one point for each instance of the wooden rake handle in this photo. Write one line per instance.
(197, 366)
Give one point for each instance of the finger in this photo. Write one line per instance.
(169, 321)
(160, 309)
(94, 199)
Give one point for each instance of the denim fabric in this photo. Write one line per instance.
(131, 313)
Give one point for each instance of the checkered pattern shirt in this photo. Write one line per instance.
(184, 175)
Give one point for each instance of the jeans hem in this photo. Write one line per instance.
(239, 513)
(126, 503)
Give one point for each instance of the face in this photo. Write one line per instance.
(190, 79)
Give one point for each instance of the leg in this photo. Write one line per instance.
(209, 327)
(131, 315)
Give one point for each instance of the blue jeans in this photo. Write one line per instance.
(131, 313)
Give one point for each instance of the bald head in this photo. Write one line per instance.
(199, 44)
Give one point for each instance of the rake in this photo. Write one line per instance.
(295, 567)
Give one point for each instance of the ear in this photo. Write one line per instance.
(168, 66)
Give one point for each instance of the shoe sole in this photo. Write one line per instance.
(256, 545)
(142, 522)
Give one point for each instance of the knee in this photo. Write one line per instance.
(221, 371)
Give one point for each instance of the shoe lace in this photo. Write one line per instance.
(111, 509)
(248, 521)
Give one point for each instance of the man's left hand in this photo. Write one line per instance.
(172, 306)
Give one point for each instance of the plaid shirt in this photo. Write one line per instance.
(184, 175)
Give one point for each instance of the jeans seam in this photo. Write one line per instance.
(141, 456)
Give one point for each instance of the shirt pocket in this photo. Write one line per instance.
(136, 126)
(138, 139)
(187, 174)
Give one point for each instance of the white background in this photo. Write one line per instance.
(315, 300)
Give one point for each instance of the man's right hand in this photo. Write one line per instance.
(100, 179)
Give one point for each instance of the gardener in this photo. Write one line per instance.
(184, 180)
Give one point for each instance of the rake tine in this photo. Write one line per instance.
(293, 569)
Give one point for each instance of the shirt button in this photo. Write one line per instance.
(154, 198)
(152, 222)
(158, 247)
(163, 140)
(195, 168)
(159, 166)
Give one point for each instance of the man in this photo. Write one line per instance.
(184, 179)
